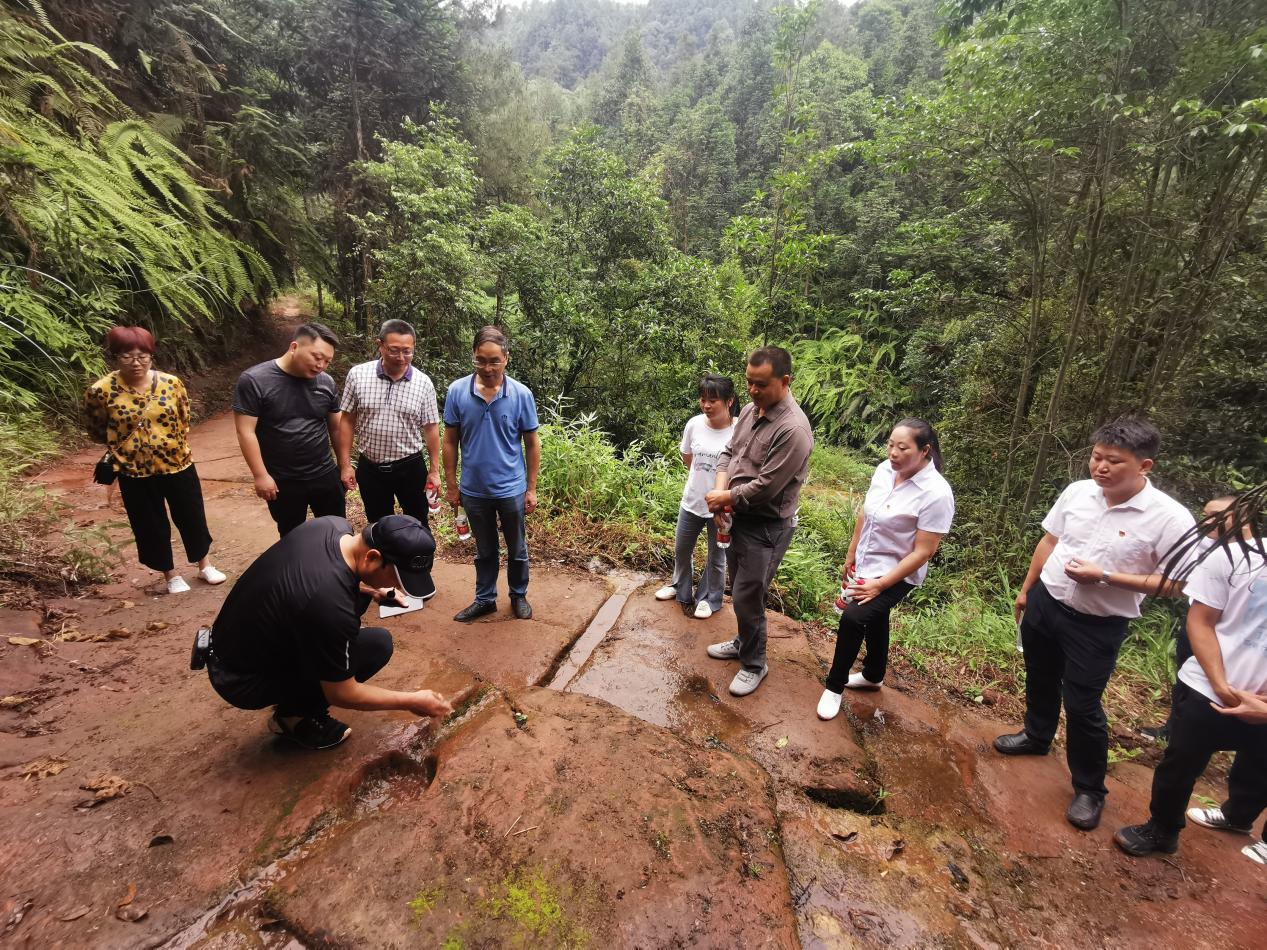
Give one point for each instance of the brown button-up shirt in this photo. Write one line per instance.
(768, 458)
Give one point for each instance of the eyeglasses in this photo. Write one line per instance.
(135, 358)
(487, 364)
(398, 351)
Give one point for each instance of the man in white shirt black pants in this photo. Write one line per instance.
(1106, 540)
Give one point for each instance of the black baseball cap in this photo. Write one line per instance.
(408, 547)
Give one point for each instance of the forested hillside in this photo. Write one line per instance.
(1016, 218)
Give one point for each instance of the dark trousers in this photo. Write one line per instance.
(484, 514)
(867, 623)
(295, 695)
(1069, 657)
(1196, 733)
(147, 501)
(756, 549)
(383, 485)
(323, 494)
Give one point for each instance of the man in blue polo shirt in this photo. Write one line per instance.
(492, 419)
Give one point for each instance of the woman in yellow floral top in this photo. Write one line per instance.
(142, 415)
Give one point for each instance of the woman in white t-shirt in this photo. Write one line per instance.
(1213, 700)
(703, 440)
(907, 511)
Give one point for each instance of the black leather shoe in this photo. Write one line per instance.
(477, 609)
(1141, 840)
(1084, 811)
(522, 609)
(1019, 744)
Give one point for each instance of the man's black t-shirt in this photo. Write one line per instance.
(292, 413)
(296, 609)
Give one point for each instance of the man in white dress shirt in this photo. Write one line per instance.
(1105, 543)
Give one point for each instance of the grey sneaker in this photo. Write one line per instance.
(724, 651)
(1256, 852)
(1213, 818)
(746, 681)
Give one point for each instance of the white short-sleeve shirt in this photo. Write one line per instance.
(705, 445)
(390, 414)
(895, 512)
(1133, 537)
(1236, 585)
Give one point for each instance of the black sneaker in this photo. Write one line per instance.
(1145, 839)
(312, 732)
(477, 609)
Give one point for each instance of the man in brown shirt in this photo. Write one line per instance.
(759, 476)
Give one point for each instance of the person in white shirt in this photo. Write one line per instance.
(1214, 704)
(908, 510)
(703, 441)
(1105, 542)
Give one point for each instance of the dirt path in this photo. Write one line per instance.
(603, 789)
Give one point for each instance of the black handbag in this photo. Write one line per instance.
(103, 473)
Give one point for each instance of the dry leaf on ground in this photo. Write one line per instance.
(156, 625)
(781, 743)
(12, 702)
(104, 788)
(44, 767)
(129, 897)
(24, 641)
(74, 914)
(118, 633)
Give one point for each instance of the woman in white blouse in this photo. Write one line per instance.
(907, 511)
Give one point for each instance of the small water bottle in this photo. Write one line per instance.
(843, 600)
(461, 525)
(433, 500)
(723, 529)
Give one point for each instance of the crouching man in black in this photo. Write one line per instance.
(289, 634)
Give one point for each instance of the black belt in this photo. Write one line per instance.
(388, 466)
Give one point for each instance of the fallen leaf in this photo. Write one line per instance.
(846, 838)
(781, 743)
(44, 767)
(161, 839)
(129, 897)
(19, 912)
(957, 877)
(156, 625)
(896, 847)
(125, 605)
(24, 641)
(74, 914)
(11, 702)
(104, 787)
(118, 633)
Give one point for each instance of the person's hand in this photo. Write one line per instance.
(265, 487)
(717, 499)
(347, 475)
(530, 501)
(388, 595)
(1084, 572)
(861, 590)
(1018, 608)
(453, 496)
(1251, 707)
(846, 574)
(1227, 696)
(427, 702)
(433, 484)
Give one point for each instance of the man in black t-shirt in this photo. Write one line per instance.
(286, 411)
(289, 634)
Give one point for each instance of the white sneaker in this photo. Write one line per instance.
(1256, 852)
(703, 611)
(212, 576)
(724, 651)
(1213, 818)
(667, 592)
(746, 681)
(858, 681)
(177, 585)
(829, 704)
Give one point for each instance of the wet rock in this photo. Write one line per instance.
(498, 852)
